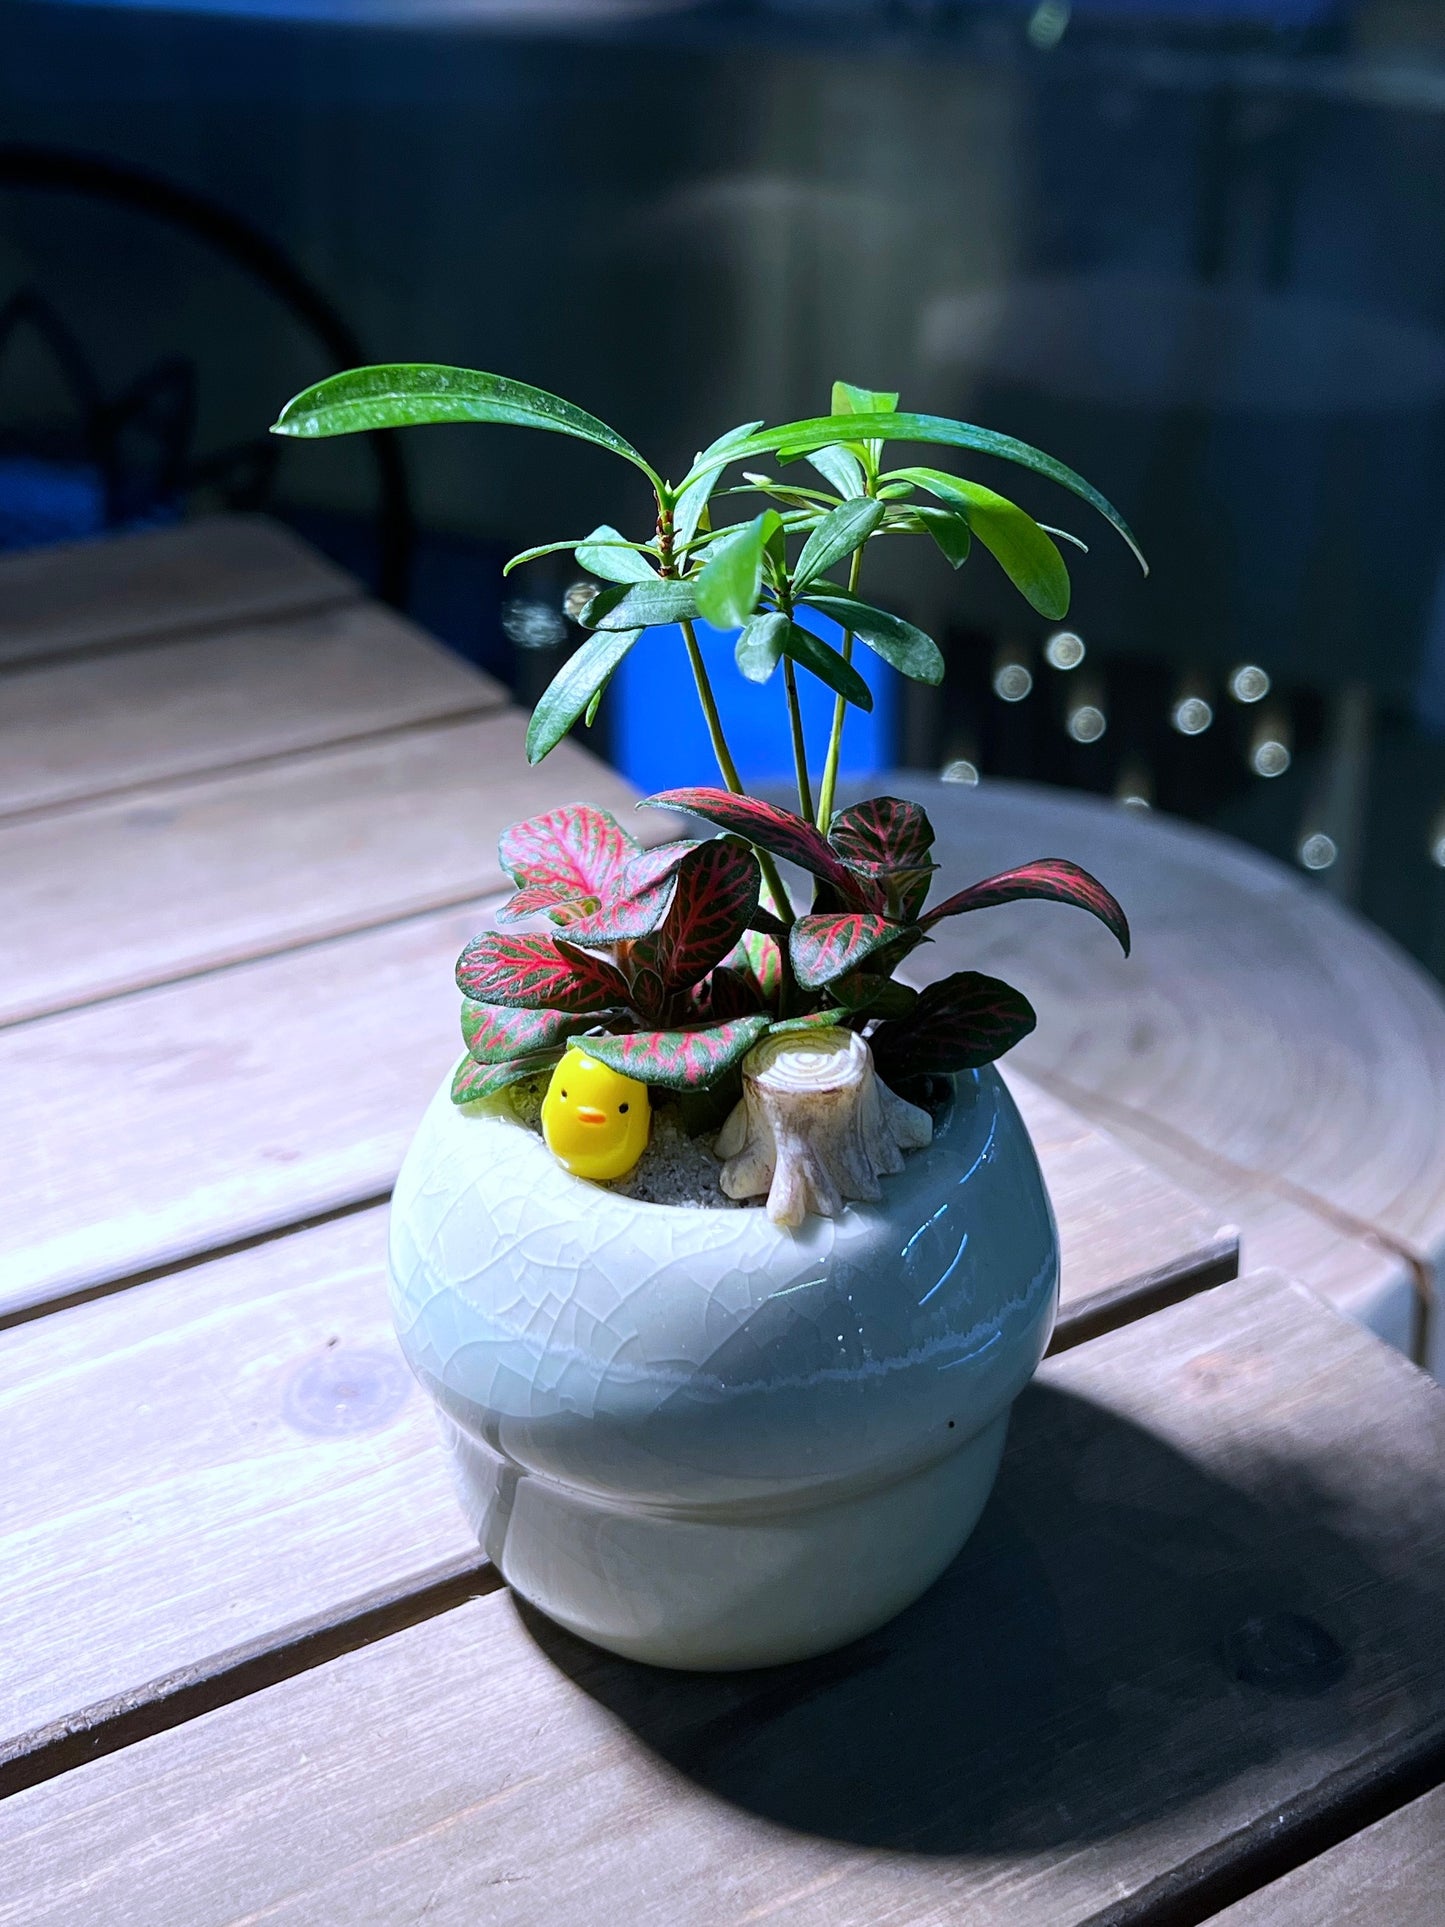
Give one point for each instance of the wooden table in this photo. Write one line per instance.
(255, 1668)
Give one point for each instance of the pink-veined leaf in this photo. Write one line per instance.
(538, 973)
(716, 895)
(474, 1080)
(957, 1024)
(822, 948)
(775, 830)
(641, 898)
(495, 1033)
(575, 851)
(680, 1060)
(882, 836)
(1053, 879)
(815, 1020)
(758, 958)
(541, 899)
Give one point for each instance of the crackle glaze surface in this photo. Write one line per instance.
(703, 1440)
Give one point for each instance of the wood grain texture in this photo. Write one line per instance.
(1391, 1875)
(182, 1118)
(202, 1464)
(181, 878)
(75, 729)
(216, 570)
(1262, 1046)
(1201, 1609)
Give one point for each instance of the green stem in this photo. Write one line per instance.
(800, 747)
(840, 711)
(727, 767)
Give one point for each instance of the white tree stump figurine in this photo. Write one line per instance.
(815, 1125)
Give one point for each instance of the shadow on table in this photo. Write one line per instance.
(1121, 1634)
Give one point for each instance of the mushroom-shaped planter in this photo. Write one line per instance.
(701, 1438)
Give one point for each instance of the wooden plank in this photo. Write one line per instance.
(71, 729)
(216, 570)
(1200, 1614)
(278, 1515)
(1391, 1875)
(178, 1120)
(185, 877)
(1263, 1046)
(205, 1463)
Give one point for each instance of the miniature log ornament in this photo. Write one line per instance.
(815, 1125)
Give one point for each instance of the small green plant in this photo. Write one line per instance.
(677, 961)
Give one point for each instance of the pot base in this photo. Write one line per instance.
(728, 1587)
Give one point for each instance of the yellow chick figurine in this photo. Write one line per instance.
(594, 1119)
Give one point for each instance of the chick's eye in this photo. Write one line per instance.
(564, 1093)
(621, 1109)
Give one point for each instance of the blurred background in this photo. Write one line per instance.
(1192, 247)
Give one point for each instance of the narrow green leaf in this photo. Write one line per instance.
(950, 531)
(640, 605)
(398, 395)
(909, 650)
(847, 528)
(1027, 556)
(760, 646)
(732, 580)
(614, 558)
(848, 400)
(687, 510)
(827, 665)
(577, 686)
(1063, 535)
(837, 466)
(805, 437)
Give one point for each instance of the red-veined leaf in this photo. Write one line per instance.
(679, 1060)
(538, 973)
(1053, 879)
(957, 1024)
(576, 851)
(495, 1033)
(485, 1080)
(641, 898)
(815, 1020)
(776, 830)
(724, 994)
(881, 836)
(759, 959)
(822, 948)
(715, 897)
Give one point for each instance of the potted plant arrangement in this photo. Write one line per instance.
(722, 1252)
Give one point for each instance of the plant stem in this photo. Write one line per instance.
(800, 747)
(840, 711)
(726, 766)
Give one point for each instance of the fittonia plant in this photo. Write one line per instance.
(676, 962)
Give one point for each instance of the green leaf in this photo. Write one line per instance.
(806, 436)
(1027, 556)
(827, 665)
(732, 580)
(843, 470)
(398, 395)
(760, 646)
(908, 649)
(848, 400)
(680, 1059)
(577, 686)
(839, 533)
(950, 531)
(610, 555)
(815, 1020)
(640, 605)
(687, 510)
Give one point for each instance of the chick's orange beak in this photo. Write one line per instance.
(588, 1114)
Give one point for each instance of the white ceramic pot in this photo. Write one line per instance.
(697, 1439)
